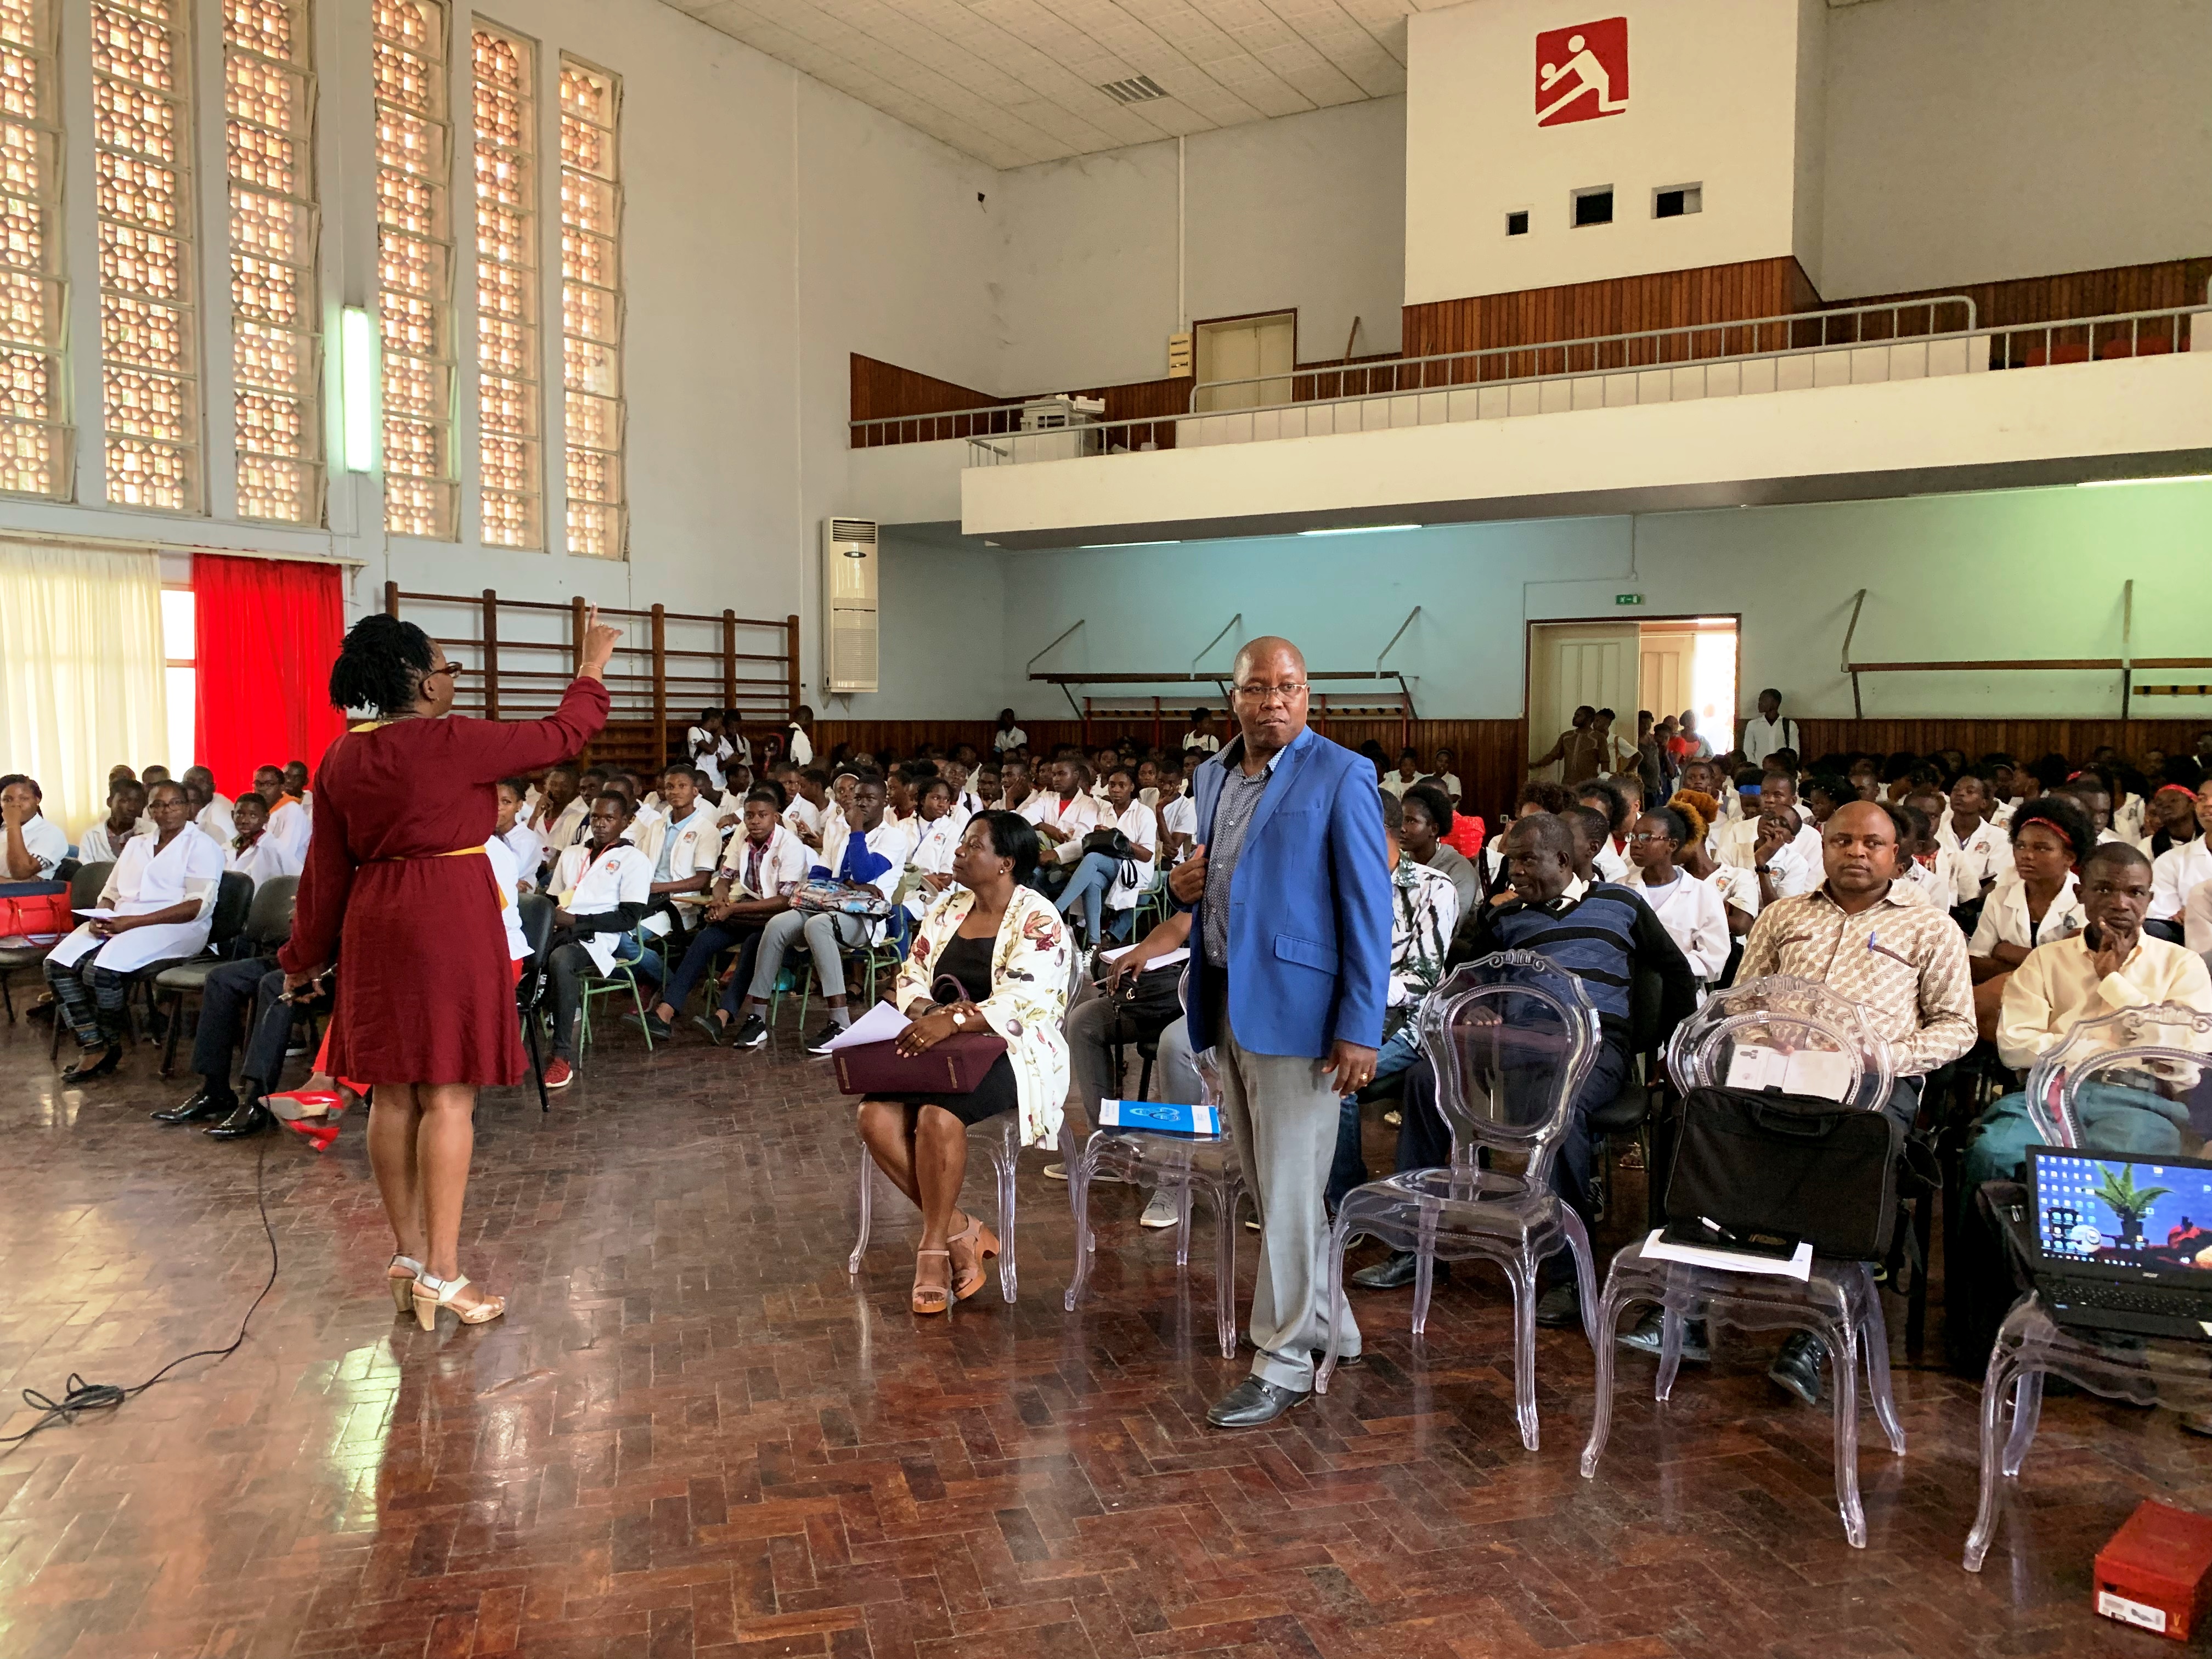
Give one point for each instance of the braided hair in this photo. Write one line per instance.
(380, 666)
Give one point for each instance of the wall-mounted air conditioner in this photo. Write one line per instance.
(849, 605)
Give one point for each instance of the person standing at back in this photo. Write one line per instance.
(1579, 750)
(1766, 732)
(1291, 880)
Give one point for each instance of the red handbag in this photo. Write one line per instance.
(954, 1066)
(35, 910)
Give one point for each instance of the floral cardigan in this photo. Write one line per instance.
(1030, 967)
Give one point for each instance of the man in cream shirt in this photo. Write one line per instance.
(2110, 966)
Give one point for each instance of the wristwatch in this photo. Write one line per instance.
(960, 1018)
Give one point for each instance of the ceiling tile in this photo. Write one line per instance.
(1012, 82)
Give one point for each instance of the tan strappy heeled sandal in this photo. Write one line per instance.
(432, 1293)
(403, 1284)
(985, 1242)
(931, 1299)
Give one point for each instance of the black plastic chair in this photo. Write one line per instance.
(537, 912)
(268, 924)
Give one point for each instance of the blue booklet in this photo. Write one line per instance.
(1160, 1117)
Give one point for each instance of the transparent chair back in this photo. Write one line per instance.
(2117, 1084)
(1798, 1036)
(1181, 1166)
(1795, 1035)
(1511, 1037)
(2149, 1059)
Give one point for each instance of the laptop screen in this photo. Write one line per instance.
(2114, 1210)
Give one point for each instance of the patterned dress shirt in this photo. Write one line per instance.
(1903, 962)
(1225, 843)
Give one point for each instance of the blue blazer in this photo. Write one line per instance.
(1309, 908)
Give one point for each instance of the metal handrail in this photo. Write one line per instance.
(1857, 314)
(2004, 332)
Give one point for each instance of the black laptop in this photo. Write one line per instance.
(2124, 1241)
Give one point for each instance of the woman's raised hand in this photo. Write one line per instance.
(600, 642)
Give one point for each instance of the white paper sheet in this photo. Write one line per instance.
(96, 915)
(1172, 959)
(879, 1024)
(1799, 1266)
(1820, 1074)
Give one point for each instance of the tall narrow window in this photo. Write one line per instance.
(592, 308)
(415, 266)
(507, 286)
(35, 449)
(143, 194)
(277, 306)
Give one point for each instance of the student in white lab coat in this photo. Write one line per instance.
(1984, 851)
(512, 828)
(690, 847)
(703, 743)
(601, 886)
(558, 818)
(939, 827)
(809, 807)
(1103, 883)
(103, 842)
(31, 843)
(1689, 910)
(252, 850)
(797, 744)
(288, 819)
(210, 810)
(161, 897)
(296, 779)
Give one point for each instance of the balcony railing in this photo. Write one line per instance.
(1913, 340)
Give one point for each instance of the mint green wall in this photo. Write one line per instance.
(2021, 574)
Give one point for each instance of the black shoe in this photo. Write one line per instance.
(654, 1027)
(716, 1029)
(1645, 1337)
(1559, 1308)
(750, 1035)
(1394, 1272)
(251, 1118)
(822, 1038)
(206, 1103)
(1797, 1367)
(89, 1068)
(1252, 1402)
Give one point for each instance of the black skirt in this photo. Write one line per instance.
(969, 961)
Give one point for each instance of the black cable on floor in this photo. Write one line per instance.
(83, 1396)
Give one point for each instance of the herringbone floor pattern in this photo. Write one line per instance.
(692, 1434)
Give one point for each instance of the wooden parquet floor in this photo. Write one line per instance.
(693, 1434)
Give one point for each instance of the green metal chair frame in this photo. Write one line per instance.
(623, 976)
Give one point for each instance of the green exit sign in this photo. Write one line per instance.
(1628, 599)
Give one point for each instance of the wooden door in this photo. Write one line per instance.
(1570, 664)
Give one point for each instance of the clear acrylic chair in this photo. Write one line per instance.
(1839, 1302)
(1005, 1150)
(1183, 1165)
(2156, 1053)
(1511, 1037)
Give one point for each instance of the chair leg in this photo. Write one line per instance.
(537, 1057)
(169, 1041)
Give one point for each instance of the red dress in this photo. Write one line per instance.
(425, 993)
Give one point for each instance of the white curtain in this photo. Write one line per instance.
(82, 670)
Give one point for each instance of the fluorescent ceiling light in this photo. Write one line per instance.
(2110, 483)
(1101, 547)
(1363, 530)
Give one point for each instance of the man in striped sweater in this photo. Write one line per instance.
(1605, 935)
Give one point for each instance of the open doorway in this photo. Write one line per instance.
(1669, 666)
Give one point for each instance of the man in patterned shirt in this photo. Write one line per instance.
(1863, 936)
(1424, 911)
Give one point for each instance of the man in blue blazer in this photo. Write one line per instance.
(1290, 971)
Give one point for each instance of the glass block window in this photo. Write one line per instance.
(142, 199)
(275, 303)
(506, 286)
(415, 266)
(36, 456)
(591, 309)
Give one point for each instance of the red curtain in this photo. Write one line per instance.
(266, 632)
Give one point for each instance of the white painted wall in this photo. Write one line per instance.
(1972, 141)
(1712, 97)
(1305, 212)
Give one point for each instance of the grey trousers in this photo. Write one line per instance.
(823, 932)
(1282, 1112)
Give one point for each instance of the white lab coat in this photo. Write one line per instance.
(1142, 826)
(509, 874)
(217, 821)
(784, 864)
(1692, 913)
(584, 885)
(2004, 916)
(147, 878)
(266, 860)
(289, 824)
(694, 846)
(527, 848)
(47, 843)
(98, 845)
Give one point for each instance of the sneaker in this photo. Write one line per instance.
(651, 1024)
(752, 1034)
(559, 1074)
(1160, 1211)
(821, 1040)
(1098, 1178)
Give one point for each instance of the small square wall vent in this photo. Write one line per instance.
(1138, 89)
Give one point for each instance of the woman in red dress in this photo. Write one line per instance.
(425, 1010)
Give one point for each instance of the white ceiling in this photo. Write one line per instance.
(1013, 81)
